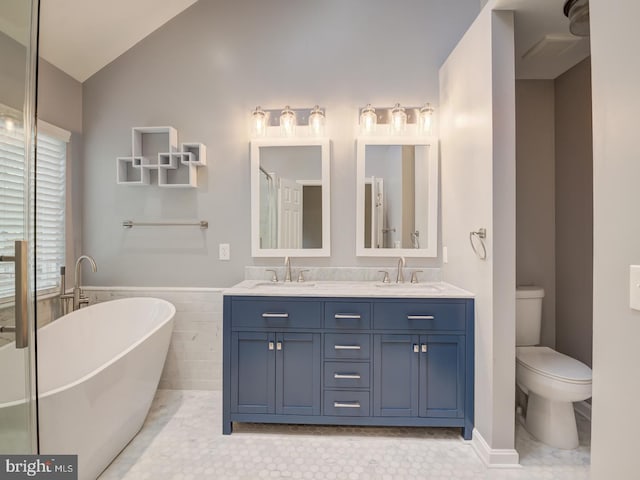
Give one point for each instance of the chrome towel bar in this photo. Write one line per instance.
(129, 224)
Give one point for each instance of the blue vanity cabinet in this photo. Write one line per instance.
(348, 361)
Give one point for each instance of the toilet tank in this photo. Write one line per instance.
(528, 315)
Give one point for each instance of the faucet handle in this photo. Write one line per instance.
(414, 276)
(274, 275)
(386, 278)
(301, 275)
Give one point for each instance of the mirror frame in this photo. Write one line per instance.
(325, 152)
(432, 157)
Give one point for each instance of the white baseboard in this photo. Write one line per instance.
(494, 457)
(584, 409)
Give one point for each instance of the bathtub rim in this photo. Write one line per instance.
(112, 360)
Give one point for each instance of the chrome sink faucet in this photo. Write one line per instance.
(287, 269)
(78, 297)
(401, 264)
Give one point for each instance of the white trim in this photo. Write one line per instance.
(433, 194)
(325, 146)
(46, 127)
(155, 289)
(53, 131)
(583, 408)
(494, 457)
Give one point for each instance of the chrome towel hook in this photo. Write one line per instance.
(481, 234)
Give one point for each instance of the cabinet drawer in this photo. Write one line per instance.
(346, 403)
(352, 346)
(419, 316)
(347, 315)
(276, 313)
(346, 375)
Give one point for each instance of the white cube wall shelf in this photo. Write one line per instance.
(156, 148)
(199, 152)
(130, 173)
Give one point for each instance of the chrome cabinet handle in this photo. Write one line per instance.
(270, 345)
(275, 315)
(278, 345)
(347, 375)
(423, 348)
(347, 347)
(416, 348)
(347, 316)
(346, 404)
(420, 317)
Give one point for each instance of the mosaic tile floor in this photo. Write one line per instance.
(181, 439)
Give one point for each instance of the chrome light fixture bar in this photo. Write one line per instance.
(288, 122)
(396, 120)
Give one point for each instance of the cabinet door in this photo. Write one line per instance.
(253, 372)
(442, 376)
(396, 363)
(298, 373)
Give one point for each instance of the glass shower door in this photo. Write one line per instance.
(18, 54)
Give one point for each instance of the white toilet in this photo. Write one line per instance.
(552, 380)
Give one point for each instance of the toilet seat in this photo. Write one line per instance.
(554, 365)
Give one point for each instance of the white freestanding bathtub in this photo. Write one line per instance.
(98, 370)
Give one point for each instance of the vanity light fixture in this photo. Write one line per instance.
(425, 119)
(316, 121)
(398, 119)
(258, 122)
(368, 119)
(288, 122)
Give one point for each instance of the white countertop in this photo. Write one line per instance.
(348, 289)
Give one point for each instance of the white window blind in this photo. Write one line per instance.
(51, 162)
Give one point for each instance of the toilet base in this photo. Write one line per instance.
(553, 423)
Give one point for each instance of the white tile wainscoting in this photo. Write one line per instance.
(48, 310)
(194, 361)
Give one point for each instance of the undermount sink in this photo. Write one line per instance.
(411, 286)
(284, 284)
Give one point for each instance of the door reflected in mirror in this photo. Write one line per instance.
(291, 197)
(397, 196)
(290, 203)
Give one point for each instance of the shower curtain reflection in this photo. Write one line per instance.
(268, 210)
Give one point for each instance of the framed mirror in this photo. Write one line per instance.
(397, 196)
(290, 195)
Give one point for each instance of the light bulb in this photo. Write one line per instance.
(288, 122)
(316, 121)
(258, 123)
(398, 119)
(368, 119)
(425, 119)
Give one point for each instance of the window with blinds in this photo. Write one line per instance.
(51, 162)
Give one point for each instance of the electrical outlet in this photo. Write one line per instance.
(224, 251)
(634, 287)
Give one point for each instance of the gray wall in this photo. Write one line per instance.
(535, 195)
(616, 230)
(203, 73)
(574, 212)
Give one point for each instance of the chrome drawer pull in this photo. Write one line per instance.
(420, 317)
(347, 375)
(270, 345)
(346, 405)
(423, 348)
(275, 315)
(347, 347)
(347, 316)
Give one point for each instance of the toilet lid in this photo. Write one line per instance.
(550, 363)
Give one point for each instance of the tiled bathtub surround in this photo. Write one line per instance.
(351, 274)
(194, 360)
